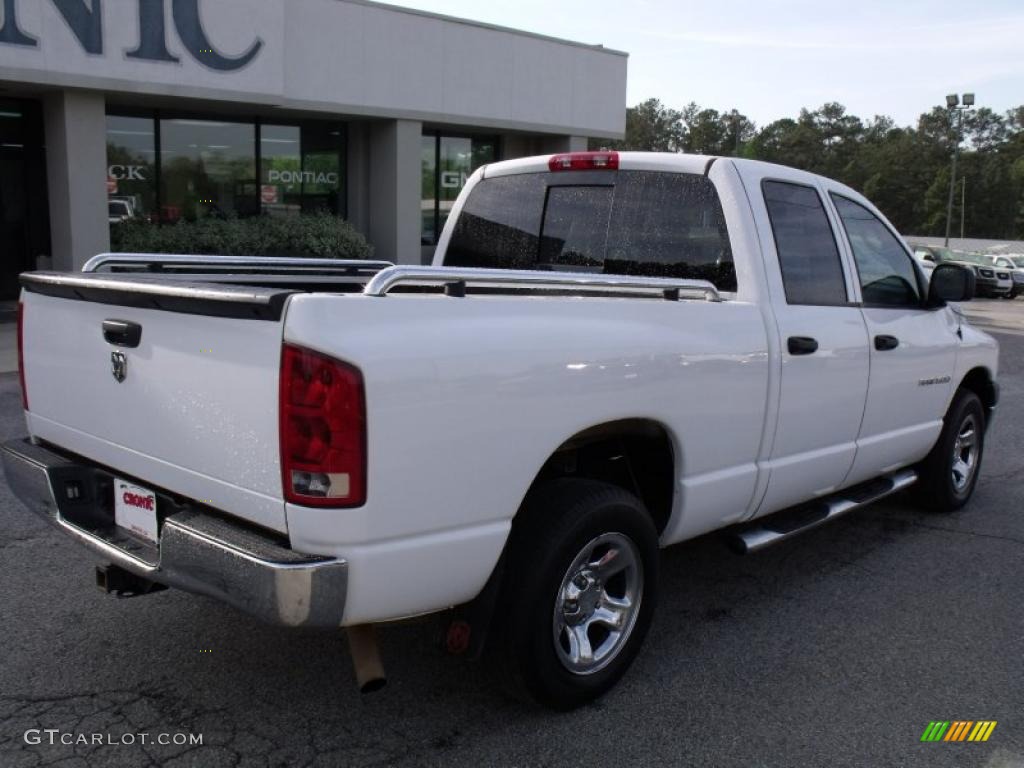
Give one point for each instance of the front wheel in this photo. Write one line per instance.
(949, 474)
(579, 591)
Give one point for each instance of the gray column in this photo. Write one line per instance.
(566, 144)
(76, 172)
(358, 177)
(526, 144)
(393, 213)
(515, 145)
(576, 143)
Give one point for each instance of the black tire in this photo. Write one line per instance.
(558, 522)
(938, 487)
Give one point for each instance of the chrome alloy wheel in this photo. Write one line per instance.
(965, 454)
(597, 603)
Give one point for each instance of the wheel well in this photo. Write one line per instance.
(635, 454)
(979, 381)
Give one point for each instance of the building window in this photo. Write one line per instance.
(131, 168)
(24, 212)
(281, 170)
(447, 162)
(166, 169)
(208, 168)
(301, 169)
(428, 194)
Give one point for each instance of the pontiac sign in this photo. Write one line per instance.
(301, 177)
(86, 22)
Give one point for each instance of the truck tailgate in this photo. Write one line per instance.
(196, 411)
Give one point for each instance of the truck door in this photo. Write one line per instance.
(912, 348)
(822, 338)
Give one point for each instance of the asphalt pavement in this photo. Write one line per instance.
(835, 649)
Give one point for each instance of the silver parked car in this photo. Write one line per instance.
(1014, 263)
(990, 280)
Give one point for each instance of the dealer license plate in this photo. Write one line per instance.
(135, 509)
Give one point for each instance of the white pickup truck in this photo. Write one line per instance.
(613, 352)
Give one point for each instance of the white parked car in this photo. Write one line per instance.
(612, 353)
(120, 210)
(925, 258)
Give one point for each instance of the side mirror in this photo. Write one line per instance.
(928, 257)
(950, 282)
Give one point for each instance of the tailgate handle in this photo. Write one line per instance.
(122, 333)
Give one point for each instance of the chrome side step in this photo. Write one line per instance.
(787, 523)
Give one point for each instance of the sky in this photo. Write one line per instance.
(769, 58)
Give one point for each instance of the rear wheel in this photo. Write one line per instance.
(579, 591)
(949, 474)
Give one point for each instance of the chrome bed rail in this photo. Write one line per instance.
(162, 263)
(456, 279)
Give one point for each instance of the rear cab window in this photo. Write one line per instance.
(649, 223)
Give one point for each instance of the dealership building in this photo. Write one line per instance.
(181, 109)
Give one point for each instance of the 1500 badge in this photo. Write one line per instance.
(936, 380)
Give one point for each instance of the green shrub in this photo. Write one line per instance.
(319, 235)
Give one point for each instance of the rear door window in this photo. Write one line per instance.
(625, 223)
(808, 255)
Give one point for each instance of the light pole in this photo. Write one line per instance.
(963, 203)
(957, 109)
(736, 132)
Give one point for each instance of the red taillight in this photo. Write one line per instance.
(584, 161)
(21, 355)
(323, 430)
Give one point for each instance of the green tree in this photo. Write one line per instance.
(984, 129)
(710, 132)
(650, 127)
(905, 171)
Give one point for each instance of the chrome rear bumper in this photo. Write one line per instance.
(198, 552)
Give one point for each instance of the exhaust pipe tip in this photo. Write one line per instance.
(369, 670)
(738, 545)
(374, 685)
